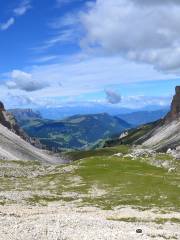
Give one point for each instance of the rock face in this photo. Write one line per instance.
(167, 133)
(15, 144)
(7, 119)
(175, 107)
(1, 106)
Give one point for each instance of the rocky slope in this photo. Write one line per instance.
(159, 135)
(15, 144)
(167, 133)
(8, 120)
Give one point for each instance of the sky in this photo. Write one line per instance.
(122, 53)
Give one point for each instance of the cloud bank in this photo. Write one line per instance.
(139, 30)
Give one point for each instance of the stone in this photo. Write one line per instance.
(138, 230)
(171, 170)
(118, 155)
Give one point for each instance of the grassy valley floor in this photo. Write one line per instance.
(104, 194)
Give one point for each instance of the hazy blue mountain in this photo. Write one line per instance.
(84, 109)
(143, 117)
(24, 114)
(67, 111)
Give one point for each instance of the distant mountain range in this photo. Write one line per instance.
(24, 115)
(79, 131)
(143, 117)
(57, 113)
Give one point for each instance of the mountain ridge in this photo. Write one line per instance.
(77, 131)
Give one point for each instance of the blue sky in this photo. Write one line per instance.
(59, 52)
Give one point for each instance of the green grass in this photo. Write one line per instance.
(123, 182)
(99, 179)
(76, 155)
(138, 220)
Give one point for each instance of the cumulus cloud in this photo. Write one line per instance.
(4, 26)
(24, 81)
(139, 30)
(112, 96)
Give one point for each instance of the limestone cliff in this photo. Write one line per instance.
(175, 107)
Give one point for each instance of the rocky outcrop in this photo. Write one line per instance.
(167, 133)
(175, 107)
(1, 107)
(8, 120)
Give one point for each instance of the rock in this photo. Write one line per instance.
(169, 151)
(118, 155)
(138, 230)
(175, 107)
(124, 134)
(171, 170)
(129, 155)
(142, 152)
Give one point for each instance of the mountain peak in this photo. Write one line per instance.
(175, 106)
(1, 106)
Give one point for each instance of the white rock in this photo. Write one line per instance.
(118, 155)
(171, 170)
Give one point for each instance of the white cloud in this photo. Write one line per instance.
(66, 30)
(12, 101)
(45, 59)
(81, 75)
(8, 24)
(19, 11)
(22, 8)
(24, 81)
(136, 102)
(68, 20)
(137, 30)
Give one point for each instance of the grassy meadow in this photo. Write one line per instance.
(96, 178)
